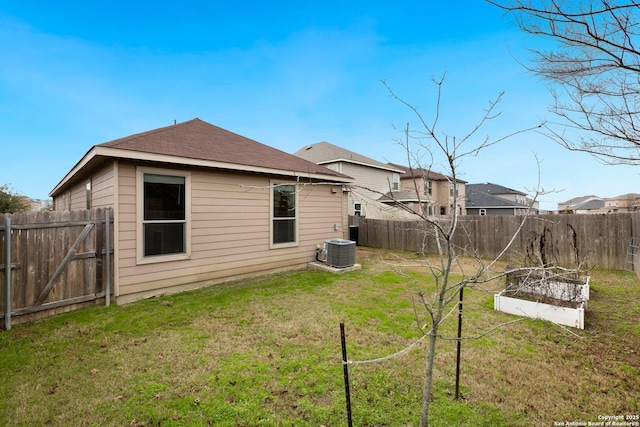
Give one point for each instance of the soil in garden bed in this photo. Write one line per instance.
(528, 296)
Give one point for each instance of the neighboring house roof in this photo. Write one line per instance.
(631, 196)
(494, 189)
(578, 200)
(589, 205)
(400, 196)
(198, 143)
(407, 173)
(324, 152)
(583, 203)
(478, 199)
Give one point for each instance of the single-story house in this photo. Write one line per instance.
(195, 204)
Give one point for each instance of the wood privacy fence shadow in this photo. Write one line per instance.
(58, 260)
(600, 241)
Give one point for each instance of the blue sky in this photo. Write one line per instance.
(287, 74)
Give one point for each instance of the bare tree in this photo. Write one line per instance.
(428, 141)
(593, 69)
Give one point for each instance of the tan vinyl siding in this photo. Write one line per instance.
(102, 192)
(79, 196)
(369, 183)
(102, 188)
(376, 181)
(61, 201)
(72, 199)
(230, 229)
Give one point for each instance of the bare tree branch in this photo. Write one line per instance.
(593, 72)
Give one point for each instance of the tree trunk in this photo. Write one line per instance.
(428, 378)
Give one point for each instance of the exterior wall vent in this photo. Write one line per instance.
(341, 253)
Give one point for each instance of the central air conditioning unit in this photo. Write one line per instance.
(341, 253)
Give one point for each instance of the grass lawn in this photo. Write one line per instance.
(266, 351)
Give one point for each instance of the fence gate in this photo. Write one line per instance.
(54, 262)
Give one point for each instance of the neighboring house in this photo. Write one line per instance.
(427, 191)
(583, 205)
(597, 205)
(38, 205)
(195, 204)
(625, 203)
(372, 179)
(493, 199)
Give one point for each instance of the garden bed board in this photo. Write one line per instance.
(566, 316)
(547, 302)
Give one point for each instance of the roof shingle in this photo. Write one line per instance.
(197, 139)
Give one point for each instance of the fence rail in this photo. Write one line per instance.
(54, 261)
(601, 241)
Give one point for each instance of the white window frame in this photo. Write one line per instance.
(482, 211)
(453, 190)
(141, 259)
(395, 182)
(428, 187)
(273, 185)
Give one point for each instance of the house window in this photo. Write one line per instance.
(163, 212)
(482, 211)
(453, 191)
(443, 210)
(357, 209)
(428, 187)
(88, 194)
(396, 182)
(284, 214)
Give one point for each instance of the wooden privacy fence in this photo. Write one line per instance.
(602, 241)
(55, 261)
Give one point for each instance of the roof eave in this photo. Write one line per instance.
(355, 162)
(116, 153)
(90, 155)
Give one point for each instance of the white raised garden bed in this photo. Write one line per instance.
(568, 308)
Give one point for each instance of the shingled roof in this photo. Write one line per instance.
(198, 143)
(197, 139)
(493, 189)
(417, 172)
(481, 199)
(325, 152)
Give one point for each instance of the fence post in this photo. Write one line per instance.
(345, 367)
(7, 272)
(459, 343)
(107, 223)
